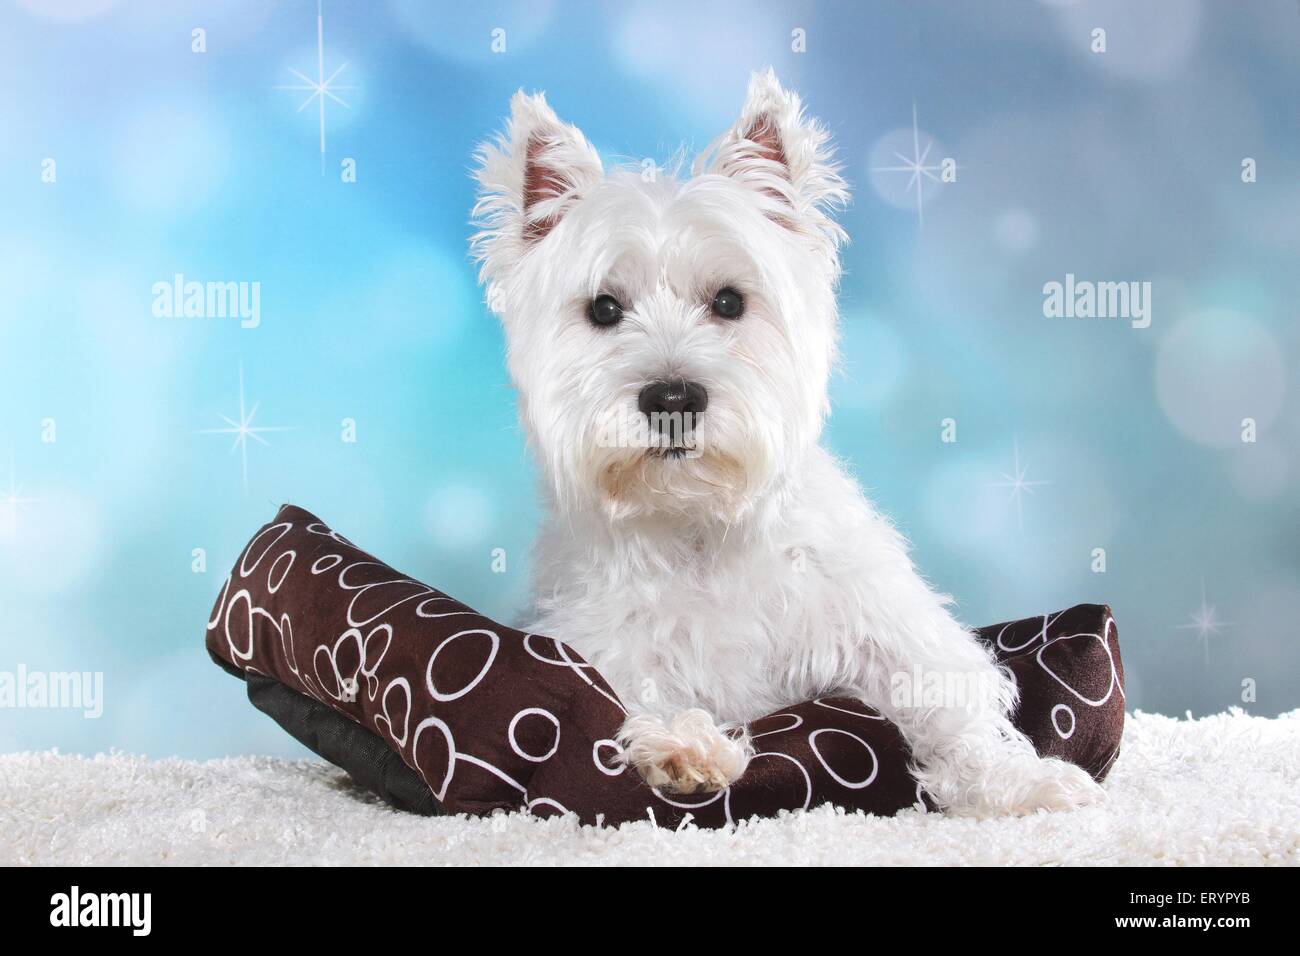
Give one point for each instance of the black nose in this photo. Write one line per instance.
(661, 401)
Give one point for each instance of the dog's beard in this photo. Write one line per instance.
(711, 471)
(695, 480)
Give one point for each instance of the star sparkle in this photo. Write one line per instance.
(915, 165)
(12, 500)
(321, 87)
(243, 429)
(1019, 483)
(1204, 621)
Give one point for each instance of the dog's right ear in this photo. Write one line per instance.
(528, 177)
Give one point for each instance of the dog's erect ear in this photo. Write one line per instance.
(784, 157)
(527, 177)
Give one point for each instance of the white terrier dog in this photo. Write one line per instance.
(719, 564)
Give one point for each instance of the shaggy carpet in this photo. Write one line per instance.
(1218, 790)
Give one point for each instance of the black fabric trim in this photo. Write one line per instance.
(343, 742)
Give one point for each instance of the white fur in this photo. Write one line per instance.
(753, 573)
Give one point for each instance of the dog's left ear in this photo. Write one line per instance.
(785, 157)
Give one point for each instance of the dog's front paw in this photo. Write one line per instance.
(690, 754)
(1019, 785)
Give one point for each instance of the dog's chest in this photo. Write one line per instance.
(733, 637)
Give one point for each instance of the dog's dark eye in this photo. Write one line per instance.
(605, 310)
(728, 304)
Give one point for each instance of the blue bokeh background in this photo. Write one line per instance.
(1116, 166)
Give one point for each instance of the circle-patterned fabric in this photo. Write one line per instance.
(490, 717)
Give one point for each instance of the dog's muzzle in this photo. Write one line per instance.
(673, 407)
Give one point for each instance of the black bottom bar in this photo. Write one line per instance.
(334, 907)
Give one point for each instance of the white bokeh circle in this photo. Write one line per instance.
(459, 516)
(467, 37)
(67, 10)
(52, 543)
(684, 62)
(1016, 230)
(1260, 471)
(1215, 369)
(1153, 40)
(171, 159)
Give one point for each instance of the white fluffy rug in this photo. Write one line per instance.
(1222, 789)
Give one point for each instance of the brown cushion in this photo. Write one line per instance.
(489, 717)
